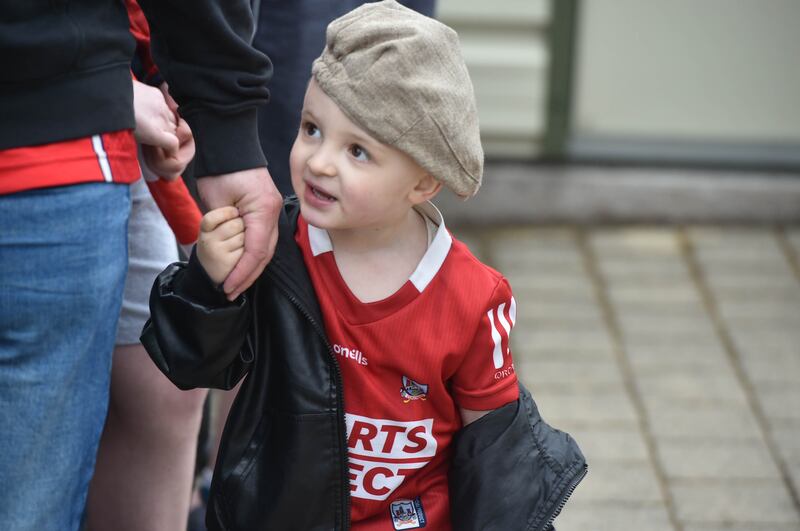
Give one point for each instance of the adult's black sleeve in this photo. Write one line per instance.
(202, 48)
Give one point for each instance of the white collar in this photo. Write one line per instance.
(431, 261)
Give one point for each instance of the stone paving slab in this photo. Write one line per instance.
(681, 324)
(739, 527)
(740, 314)
(793, 237)
(781, 294)
(573, 374)
(753, 284)
(789, 441)
(751, 501)
(765, 372)
(661, 358)
(672, 335)
(604, 444)
(562, 338)
(694, 387)
(549, 311)
(753, 272)
(659, 308)
(536, 354)
(708, 459)
(619, 516)
(589, 409)
(654, 273)
(662, 293)
(701, 421)
(635, 241)
(744, 238)
(708, 342)
(613, 481)
(673, 356)
(553, 287)
(776, 341)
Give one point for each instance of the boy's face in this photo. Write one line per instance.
(344, 178)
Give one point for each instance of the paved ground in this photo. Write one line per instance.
(672, 354)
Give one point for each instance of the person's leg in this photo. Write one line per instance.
(145, 464)
(63, 256)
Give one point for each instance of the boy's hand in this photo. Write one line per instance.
(221, 242)
(259, 203)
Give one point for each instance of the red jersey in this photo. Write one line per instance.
(107, 157)
(408, 363)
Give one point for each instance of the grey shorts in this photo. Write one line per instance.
(151, 247)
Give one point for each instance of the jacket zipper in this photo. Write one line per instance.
(339, 401)
(570, 489)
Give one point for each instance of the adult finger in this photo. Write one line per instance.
(187, 149)
(257, 252)
(168, 97)
(167, 141)
(183, 131)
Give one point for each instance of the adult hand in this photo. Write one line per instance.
(259, 203)
(156, 123)
(169, 162)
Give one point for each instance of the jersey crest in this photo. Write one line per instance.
(412, 390)
(408, 514)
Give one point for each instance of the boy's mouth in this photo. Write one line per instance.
(320, 194)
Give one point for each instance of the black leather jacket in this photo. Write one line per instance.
(282, 463)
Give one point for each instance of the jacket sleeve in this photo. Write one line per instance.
(202, 49)
(195, 336)
(511, 470)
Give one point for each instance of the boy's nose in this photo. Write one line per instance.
(321, 163)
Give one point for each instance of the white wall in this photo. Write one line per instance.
(708, 70)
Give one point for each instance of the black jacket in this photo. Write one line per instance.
(282, 463)
(66, 73)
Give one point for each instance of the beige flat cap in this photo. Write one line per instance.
(401, 77)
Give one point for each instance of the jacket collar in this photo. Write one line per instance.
(287, 267)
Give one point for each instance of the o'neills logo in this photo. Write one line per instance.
(504, 373)
(350, 353)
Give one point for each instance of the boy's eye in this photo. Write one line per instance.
(311, 129)
(359, 153)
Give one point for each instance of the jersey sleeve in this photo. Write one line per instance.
(486, 378)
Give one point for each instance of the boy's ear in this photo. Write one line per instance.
(427, 187)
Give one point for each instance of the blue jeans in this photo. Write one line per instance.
(63, 257)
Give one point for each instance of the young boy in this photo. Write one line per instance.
(373, 337)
